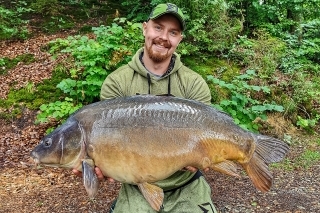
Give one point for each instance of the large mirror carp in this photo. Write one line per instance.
(143, 139)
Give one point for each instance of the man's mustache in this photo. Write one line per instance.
(162, 42)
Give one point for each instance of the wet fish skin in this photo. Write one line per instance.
(61, 147)
(144, 139)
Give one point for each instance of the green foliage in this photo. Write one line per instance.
(241, 106)
(308, 124)
(209, 28)
(303, 50)
(2, 66)
(303, 92)
(34, 95)
(112, 47)
(207, 64)
(57, 110)
(262, 53)
(95, 58)
(139, 9)
(277, 39)
(57, 23)
(46, 7)
(307, 159)
(12, 24)
(277, 16)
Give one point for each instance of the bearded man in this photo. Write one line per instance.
(157, 69)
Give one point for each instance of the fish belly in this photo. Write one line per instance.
(136, 155)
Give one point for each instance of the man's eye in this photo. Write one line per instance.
(173, 33)
(157, 27)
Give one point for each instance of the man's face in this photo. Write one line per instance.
(162, 37)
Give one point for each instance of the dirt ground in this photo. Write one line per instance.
(24, 188)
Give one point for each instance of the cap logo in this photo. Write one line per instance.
(172, 7)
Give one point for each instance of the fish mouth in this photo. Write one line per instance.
(35, 159)
(38, 164)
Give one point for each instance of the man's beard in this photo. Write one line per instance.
(155, 56)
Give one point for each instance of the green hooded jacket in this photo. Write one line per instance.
(134, 78)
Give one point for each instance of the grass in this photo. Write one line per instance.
(307, 158)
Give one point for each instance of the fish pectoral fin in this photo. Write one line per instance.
(153, 194)
(90, 179)
(226, 167)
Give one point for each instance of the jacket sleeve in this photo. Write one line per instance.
(199, 91)
(195, 86)
(111, 88)
(114, 84)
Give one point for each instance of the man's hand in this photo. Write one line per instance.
(194, 169)
(97, 171)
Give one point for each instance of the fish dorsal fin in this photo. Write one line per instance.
(153, 194)
(226, 167)
(90, 179)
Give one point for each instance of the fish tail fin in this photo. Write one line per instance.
(271, 150)
(268, 150)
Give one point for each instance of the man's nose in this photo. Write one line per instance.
(164, 35)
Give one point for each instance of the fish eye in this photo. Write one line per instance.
(47, 142)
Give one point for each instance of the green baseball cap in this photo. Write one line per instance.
(168, 8)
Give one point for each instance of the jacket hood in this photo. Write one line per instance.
(137, 66)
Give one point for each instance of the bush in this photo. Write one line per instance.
(240, 103)
(139, 9)
(94, 59)
(58, 110)
(209, 28)
(264, 53)
(12, 25)
(46, 7)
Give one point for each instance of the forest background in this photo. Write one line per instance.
(259, 58)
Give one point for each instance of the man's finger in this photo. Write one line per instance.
(77, 172)
(99, 173)
(191, 168)
(101, 176)
(206, 169)
(111, 179)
